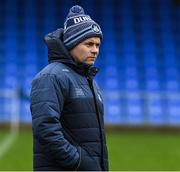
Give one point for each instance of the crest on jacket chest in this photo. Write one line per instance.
(79, 92)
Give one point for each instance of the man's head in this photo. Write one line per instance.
(78, 29)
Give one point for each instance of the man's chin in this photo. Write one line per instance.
(90, 62)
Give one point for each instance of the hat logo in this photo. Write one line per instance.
(81, 19)
(95, 28)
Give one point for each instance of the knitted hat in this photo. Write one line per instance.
(78, 27)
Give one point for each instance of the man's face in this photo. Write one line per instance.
(86, 51)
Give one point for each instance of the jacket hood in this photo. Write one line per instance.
(58, 52)
(56, 48)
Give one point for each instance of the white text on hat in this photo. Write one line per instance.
(80, 19)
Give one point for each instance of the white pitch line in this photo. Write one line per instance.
(7, 143)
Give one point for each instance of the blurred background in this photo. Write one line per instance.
(139, 76)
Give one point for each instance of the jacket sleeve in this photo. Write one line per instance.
(47, 99)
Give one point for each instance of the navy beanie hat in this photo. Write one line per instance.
(78, 27)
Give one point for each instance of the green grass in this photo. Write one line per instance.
(127, 151)
(2, 135)
(19, 156)
(144, 151)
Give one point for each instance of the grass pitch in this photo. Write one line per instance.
(127, 151)
(144, 151)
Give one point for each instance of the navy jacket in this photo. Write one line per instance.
(67, 114)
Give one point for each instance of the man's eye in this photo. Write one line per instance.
(97, 45)
(89, 44)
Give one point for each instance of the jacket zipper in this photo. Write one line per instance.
(90, 81)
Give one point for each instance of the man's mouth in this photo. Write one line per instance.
(92, 58)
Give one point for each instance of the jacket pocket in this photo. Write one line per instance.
(70, 138)
(87, 162)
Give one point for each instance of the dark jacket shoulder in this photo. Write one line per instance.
(54, 68)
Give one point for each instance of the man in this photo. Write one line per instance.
(66, 104)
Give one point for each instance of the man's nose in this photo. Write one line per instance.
(95, 50)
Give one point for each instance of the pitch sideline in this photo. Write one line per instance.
(7, 142)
